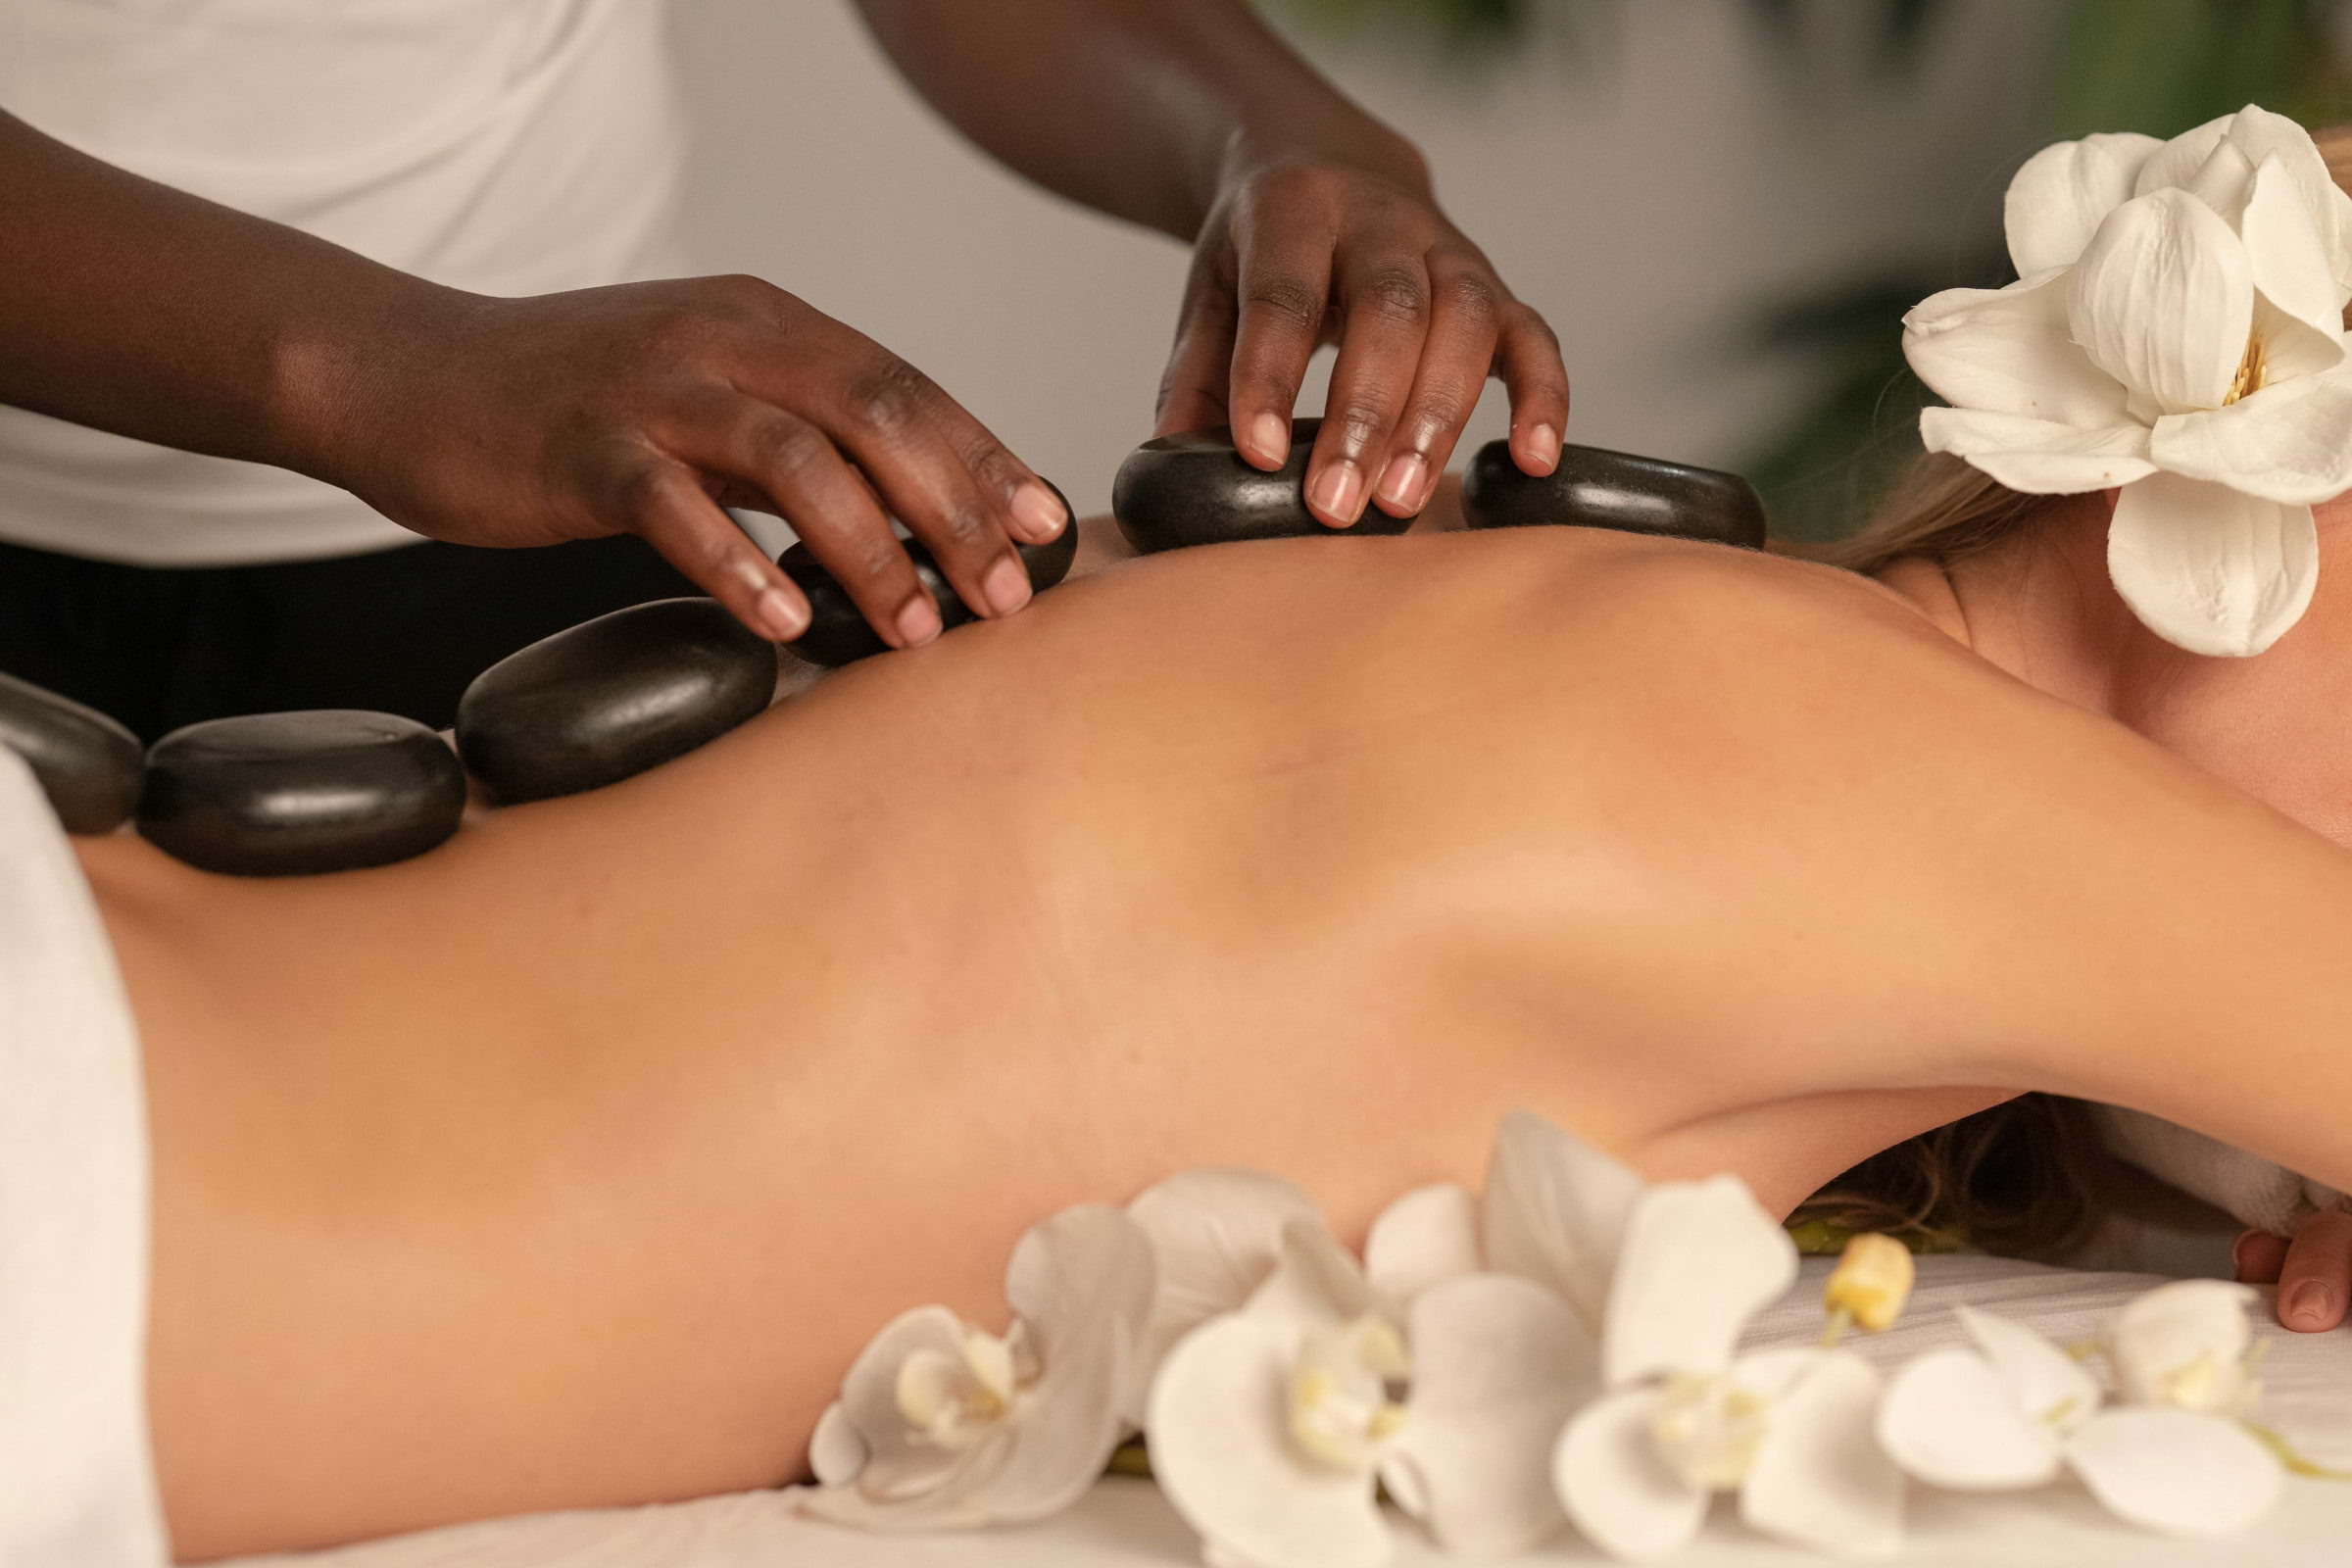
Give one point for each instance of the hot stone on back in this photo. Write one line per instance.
(610, 698)
(1596, 489)
(1197, 489)
(88, 765)
(300, 794)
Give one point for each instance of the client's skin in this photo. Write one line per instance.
(2040, 605)
(573, 1162)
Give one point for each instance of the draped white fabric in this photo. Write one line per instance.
(76, 1485)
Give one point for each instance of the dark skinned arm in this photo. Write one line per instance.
(1312, 222)
(643, 408)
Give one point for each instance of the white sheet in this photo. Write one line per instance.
(1124, 1524)
(76, 1488)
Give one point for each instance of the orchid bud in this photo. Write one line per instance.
(1872, 1281)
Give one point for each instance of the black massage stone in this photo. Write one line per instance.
(838, 634)
(1197, 489)
(88, 765)
(1596, 489)
(299, 793)
(610, 698)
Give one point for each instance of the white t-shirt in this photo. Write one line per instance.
(501, 146)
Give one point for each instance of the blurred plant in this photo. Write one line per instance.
(2154, 66)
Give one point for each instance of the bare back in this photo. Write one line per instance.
(571, 1163)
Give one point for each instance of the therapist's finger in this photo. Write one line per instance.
(2315, 1281)
(1192, 388)
(947, 477)
(663, 503)
(1527, 358)
(1282, 292)
(1385, 310)
(1465, 323)
(806, 481)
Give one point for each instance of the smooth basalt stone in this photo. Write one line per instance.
(1197, 489)
(610, 698)
(88, 765)
(298, 794)
(1596, 489)
(837, 633)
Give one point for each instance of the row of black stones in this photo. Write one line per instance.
(291, 794)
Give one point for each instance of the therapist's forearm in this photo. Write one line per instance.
(1137, 108)
(139, 309)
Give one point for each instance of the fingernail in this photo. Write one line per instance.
(2311, 1301)
(1006, 585)
(1339, 493)
(1544, 445)
(1401, 486)
(1270, 438)
(1036, 513)
(2237, 1253)
(781, 616)
(917, 620)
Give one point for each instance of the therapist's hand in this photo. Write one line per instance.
(644, 408)
(1305, 248)
(2312, 1269)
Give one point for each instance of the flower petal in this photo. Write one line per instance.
(1615, 1486)
(1428, 1236)
(1555, 1210)
(2036, 456)
(1500, 1362)
(2184, 1345)
(1082, 1282)
(1950, 1420)
(1317, 1286)
(2298, 317)
(2262, 137)
(2174, 1471)
(897, 1463)
(2163, 300)
(957, 1497)
(2007, 350)
(2224, 181)
(1820, 1478)
(836, 1452)
(1222, 1451)
(2210, 569)
(2056, 200)
(1699, 1260)
(1215, 1236)
(2177, 161)
(2046, 1385)
(2291, 442)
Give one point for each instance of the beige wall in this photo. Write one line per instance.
(1647, 190)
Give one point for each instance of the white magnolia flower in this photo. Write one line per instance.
(2015, 1409)
(944, 1426)
(2177, 330)
(1790, 1430)
(1271, 1428)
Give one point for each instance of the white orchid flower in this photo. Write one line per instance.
(944, 1426)
(1215, 1235)
(1790, 1430)
(1553, 1211)
(1273, 1427)
(2015, 1409)
(2177, 331)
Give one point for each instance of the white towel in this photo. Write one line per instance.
(2257, 1192)
(76, 1483)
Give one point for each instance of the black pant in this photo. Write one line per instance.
(398, 630)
